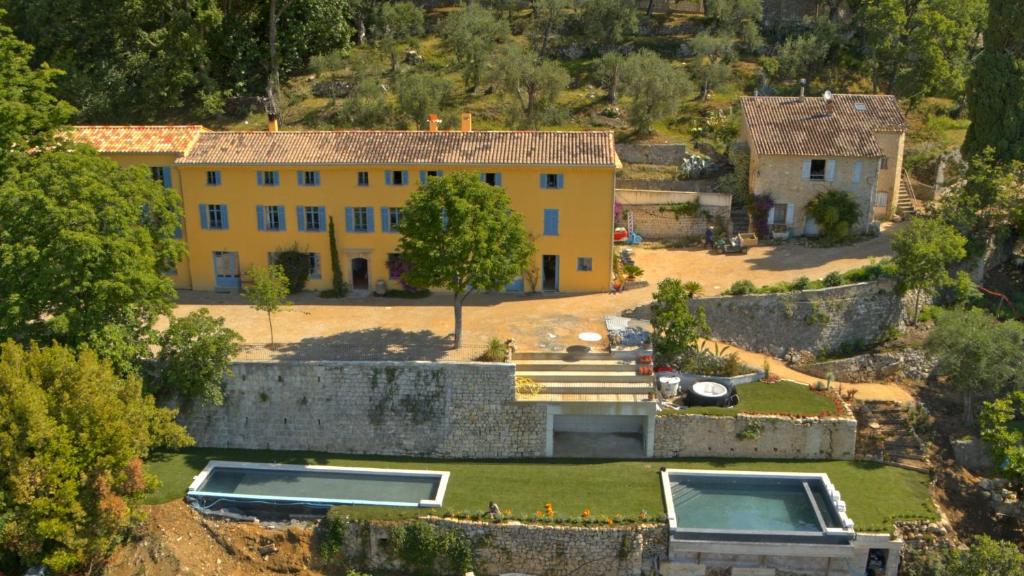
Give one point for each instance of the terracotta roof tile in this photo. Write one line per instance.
(787, 126)
(138, 139)
(404, 147)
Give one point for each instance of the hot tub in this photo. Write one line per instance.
(711, 505)
(250, 486)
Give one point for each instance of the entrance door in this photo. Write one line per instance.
(225, 271)
(549, 269)
(360, 274)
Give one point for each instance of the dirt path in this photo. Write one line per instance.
(175, 539)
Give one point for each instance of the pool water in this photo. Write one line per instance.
(747, 504)
(319, 485)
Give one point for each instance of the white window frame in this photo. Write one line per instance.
(360, 219)
(215, 216)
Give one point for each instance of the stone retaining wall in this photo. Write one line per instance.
(812, 320)
(388, 408)
(912, 364)
(777, 437)
(653, 223)
(522, 548)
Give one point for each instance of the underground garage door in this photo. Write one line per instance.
(598, 436)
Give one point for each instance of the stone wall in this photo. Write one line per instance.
(665, 154)
(810, 320)
(693, 185)
(701, 436)
(653, 223)
(389, 408)
(907, 364)
(538, 549)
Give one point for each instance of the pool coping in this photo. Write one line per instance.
(199, 479)
(666, 491)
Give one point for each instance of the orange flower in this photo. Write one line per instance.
(610, 521)
(539, 514)
(586, 512)
(507, 511)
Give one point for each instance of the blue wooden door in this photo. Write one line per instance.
(225, 270)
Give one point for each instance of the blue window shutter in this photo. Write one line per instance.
(440, 173)
(277, 177)
(204, 217)
(561, 181)
(216, 177)
(316, 181)
(259, 217)
(224, 212)
(259, 177)
(807, 170)
(405, 177)
(483, 176)
(300, 212)
(388, 174)
(550, 222)
(301, 179)
(323, 218)
(282, 221)
(369, 219)
(167, 176)
(385, 222)
(497, 179)
(423, 176)
(348, 219)
(543, 180)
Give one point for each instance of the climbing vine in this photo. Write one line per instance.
(680, 209)
(426, 550)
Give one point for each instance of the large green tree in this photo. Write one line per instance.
(1005, 437)
(267, 291)
(84, 247)
(995, 94)
(472, 33)
(984, 557)
(461, 234)
(977, 355)
(738, 18)
(29, 112)
(549, 16)
(397, 23)
(654, 87)
(676, 330)
(923, 252)
(195, 357)
(531, 84)
(72, 436)
(605, 24)
(421, 94)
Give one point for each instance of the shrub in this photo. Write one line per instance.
(833, 279)
(496, 351)
(873, 271)
(195, 357)
(526, 386)
(741, 287)
(296, 268)
(835, 212)
(801, 283)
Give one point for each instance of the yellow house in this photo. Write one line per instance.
(154, 147)
(248, 195)
(801, 146)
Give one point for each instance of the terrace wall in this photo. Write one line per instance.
(702, 436)
(810, 320)
(551, 550)
(391, 408)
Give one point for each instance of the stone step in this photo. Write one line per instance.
(682, 569)
(585, 376)
(595, 388)
(588, 366)
(574, 357)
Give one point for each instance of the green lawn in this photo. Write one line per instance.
(787, 398)
(876, 494)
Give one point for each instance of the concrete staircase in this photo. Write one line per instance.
(583, 373)
(907, 205)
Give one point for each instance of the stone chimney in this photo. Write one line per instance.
(467, 122)
(803, 87)
(432, 122)
(272, 122)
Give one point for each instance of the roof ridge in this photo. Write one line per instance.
(392, 131)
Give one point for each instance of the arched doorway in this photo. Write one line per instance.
(360, 274)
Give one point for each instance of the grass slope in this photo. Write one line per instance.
(876, 494)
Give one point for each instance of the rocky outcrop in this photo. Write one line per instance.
(889, 365)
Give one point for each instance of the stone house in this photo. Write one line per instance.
(802, 146)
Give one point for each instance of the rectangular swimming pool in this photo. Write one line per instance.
(755, 507)
(244, 484)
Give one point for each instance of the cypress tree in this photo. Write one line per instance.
(995, 95)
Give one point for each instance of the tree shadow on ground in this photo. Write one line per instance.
(369, 344)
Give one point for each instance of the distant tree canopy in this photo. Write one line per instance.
(532, 84)
(655, 88)
(471, 34)
(607, 23)
(995, 95)
(138, 61)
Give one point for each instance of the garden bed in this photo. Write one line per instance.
(621, 491)
(776, 398)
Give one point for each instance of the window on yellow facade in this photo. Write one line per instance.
(311, 218)
(552, 181)
(213, 177)
(491, 178)
(585, 264)
(309, 178)
(396, 177)
(213, 216)
(270, 218)
(359, 219)
(390, 218)
(268, 178)
(314, 266)
(363, 179)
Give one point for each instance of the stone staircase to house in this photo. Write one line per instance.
(883, 431)
(590, 373)
(907, 205)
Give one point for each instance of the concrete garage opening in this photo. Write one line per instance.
(598, 436)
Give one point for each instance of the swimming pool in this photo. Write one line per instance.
(755, 507)
(246, 484)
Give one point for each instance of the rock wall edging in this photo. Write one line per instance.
(776, 437)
